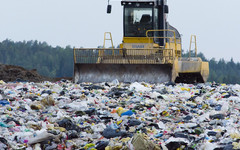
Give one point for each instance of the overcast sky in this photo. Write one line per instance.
(83, 23)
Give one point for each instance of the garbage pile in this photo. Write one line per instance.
(119, 116)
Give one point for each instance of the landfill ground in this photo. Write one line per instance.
(118, 116)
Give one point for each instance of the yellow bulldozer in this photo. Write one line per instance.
(150, 52)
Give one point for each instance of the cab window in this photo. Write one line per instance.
(137, 21)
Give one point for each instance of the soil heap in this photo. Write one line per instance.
(10, 73)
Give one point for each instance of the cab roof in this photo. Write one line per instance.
(124, 2)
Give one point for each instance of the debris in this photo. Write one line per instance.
(118, 116)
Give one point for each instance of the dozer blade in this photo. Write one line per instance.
(96, 73)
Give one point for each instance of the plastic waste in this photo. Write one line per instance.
(177, 143)
(127, 113)
(51, 147)
(4, 102)
(2, 124)
(111, 133)
(3, 143)
(141, 142)
(133, 122)
(217, 116)
(89, 146)
(139, 87)
(101, 145)
(114, 115)
(72, 134)
(44, 136)
(115, 82)
(69, 125)
(37, 147)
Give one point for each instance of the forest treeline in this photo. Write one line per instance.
(49, 61)
(58, 62)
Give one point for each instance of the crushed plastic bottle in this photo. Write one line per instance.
(4, 102)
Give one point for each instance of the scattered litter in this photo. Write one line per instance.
(115, 115)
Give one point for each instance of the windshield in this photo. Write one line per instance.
(138, 21)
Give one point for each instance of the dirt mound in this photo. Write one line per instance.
(10, 73)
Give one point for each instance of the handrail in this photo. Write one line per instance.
(74, 55)
(121, 55)
(110, 39)
(163, 30)
(105, 39)
(160, 30)
(190, 46)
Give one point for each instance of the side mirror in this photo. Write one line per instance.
(166, 9)
(109, 9)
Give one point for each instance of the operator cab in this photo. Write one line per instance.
(141, 16)
(138, 18)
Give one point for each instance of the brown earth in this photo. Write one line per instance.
(10, 73)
